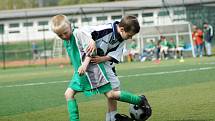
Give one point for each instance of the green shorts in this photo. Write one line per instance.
(81, 84)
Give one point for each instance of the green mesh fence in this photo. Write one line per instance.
(199, 14)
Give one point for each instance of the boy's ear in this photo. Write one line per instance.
(121, 29)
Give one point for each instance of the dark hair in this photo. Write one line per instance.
(162, 37)
(130, 24)
(205, 23)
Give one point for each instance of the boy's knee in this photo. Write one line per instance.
(109, 95)
(69, 94)
(114, 95)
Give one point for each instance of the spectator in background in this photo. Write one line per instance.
(164, 47)
(172, 47)
(179, 48)
(157, 50)
(150, 47)
(35, 53)
(132, 50)
(148, 51)
(197, 36)
(208, 35)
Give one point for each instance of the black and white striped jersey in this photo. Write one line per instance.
(108, 40)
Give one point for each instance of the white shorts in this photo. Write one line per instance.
(172, 49)
(115, 83)
(179, 48)
(164, 48)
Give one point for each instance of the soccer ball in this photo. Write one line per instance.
(139, 113)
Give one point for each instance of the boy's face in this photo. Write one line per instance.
(65, 34)
(194, 28)
(126, 35)
(205, 26)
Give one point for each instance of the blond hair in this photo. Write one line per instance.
(59, 23)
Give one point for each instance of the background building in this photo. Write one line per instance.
(170, 18)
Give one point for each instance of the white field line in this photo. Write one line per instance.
(33, 84)
(153, 66)
(169, 72)
(134, 75)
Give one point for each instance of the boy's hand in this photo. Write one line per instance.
(194, 38)
(82, 69)
(97, 59)
(91, 47)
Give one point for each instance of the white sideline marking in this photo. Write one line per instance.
(169, 72)
(33, 84)
(134, 75)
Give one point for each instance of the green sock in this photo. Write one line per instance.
(129, 98)
(73, 110)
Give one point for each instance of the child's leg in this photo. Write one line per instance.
(181, 54)
(113, 115)
(72, 104)
(124, 97)
(131, 98)
(112, 110)
(112, 105)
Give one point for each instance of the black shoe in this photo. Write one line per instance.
(122, 117)
(145, 107)
(144, 102)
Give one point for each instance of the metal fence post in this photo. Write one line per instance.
(3, 49)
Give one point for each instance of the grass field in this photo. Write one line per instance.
(176, 91)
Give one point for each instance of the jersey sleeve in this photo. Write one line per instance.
(83, 39)
(117, 53)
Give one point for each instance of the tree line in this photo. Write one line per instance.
(22, 4)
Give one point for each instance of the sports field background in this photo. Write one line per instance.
(177, 91)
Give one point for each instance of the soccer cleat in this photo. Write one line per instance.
(122, 117)
(144, 104)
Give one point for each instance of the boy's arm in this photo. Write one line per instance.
(113, 56)
(117, 54)
(82, 69)
(88, 43)
(99, 59)
(91, 46)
